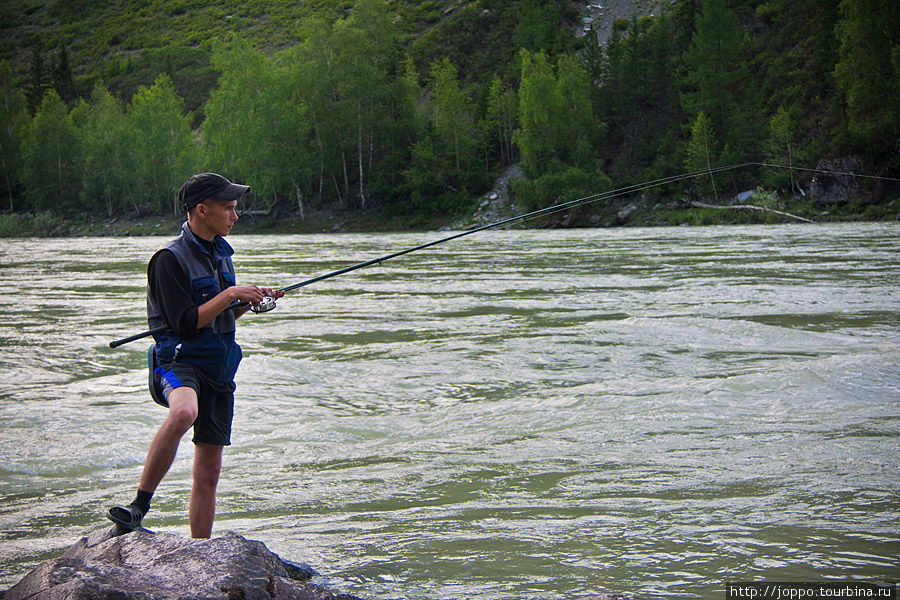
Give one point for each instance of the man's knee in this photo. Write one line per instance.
(183, 407)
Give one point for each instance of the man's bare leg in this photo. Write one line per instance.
(182, 414)
(207, 466)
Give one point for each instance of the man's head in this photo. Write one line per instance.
(209, 200)
(208, 186)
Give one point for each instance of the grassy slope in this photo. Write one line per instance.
(126, 43)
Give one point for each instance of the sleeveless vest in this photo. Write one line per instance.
(213, 349)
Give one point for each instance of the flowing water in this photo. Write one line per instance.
(520, 414)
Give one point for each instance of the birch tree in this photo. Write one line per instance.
(51, 156)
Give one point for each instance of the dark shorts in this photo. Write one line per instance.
(215, 402)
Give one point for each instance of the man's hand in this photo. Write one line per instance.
(237, 293)
(276, 294)
(253, 294)
(246, 293)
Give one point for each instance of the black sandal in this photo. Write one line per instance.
(127, 517)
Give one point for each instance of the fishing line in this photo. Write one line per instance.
(268, 303)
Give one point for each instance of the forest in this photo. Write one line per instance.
(412, 109)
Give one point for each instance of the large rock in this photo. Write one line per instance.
(836, 181)
(160, 566)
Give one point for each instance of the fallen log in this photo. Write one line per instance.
(751, 207)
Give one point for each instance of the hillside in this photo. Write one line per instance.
(123, 44)
(410, 109)
(136, 40)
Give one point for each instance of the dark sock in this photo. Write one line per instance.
(142, 501)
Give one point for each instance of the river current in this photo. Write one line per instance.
(518, 414)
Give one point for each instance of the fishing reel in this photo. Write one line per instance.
(265, 305)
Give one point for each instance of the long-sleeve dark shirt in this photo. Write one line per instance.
(171, 287)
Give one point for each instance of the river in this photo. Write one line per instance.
(518, 414)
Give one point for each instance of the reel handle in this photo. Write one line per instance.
(265, 305)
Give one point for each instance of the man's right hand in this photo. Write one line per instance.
(247, 293)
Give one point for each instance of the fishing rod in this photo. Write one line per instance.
(268, 303)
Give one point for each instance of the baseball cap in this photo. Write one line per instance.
(209, 186)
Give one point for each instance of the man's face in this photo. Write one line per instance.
(218, 216)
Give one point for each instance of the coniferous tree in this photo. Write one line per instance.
(796, 53)
(36, 86)
(540, 26)
(61, 75)
(869, 72)
(13, 119)
(717, 82)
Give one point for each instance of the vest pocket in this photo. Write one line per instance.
(204, 289)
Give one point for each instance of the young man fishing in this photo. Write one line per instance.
(190, 285)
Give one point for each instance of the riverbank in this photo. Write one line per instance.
(751, 208)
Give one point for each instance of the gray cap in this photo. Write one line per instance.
(208, 186)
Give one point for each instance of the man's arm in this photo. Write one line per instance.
(170, 285)
(212, 308)
(171, 288)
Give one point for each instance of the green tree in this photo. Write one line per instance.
(13, 120)
(61, 75)
(781, 137)
(242, 127)
(537, 117)
(51, 155)
(701, 149)
(794, 55)
(636, 93)
(367, 59)
(501, 119)
(557, 132)
(164, 150)
(37, 83)
(540, 27)
(797, 52)
(453, 122)
(869, 71)
(289, 134)
(347, 76)
(444, 162)
(577, 126)
(555, 114)
(107, 144)
(717, 81)
(312, 80)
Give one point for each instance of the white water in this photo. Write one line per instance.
(540, 414)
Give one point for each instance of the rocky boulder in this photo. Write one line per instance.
(159, 566)
(836, 181)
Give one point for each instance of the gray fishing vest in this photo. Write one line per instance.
(213, 349)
